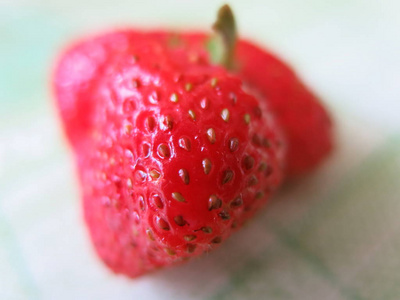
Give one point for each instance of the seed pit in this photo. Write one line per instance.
(177, 77)
(188, 87)
(252, 181)
(157, 201)
(169, 251)
(237, 202)
(163, 151)
(206, 229)
(141, 202)
(140, 176)
(184, 143)
(145, 150)
(233, 144)
(189, 237)
(190, 248)
(225, 115)
(128, 154)
(162, 223)
(179, 220)
(211, 135)
(135, 83)
(262, 167)
(129, 105)
(129, 183)
(204, 103)
(134, 58)
(150, 123)
(224, 215)
(214, 202)
(166, 123)
(154, 174)
(128, 128)
(136, 217)
(174, 98)
(153, 97)
(216, 240)
(150, 234)
(247, 119)
(233, 97)
(192, 114)
(178, 197)
(227, 176)
(206, 165)
(248, 162)
(259, 195)
(184, 175)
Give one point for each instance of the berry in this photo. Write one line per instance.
(302, 117)
(168, 159)
(174, 152)
(307, 125)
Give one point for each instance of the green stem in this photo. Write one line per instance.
(222, 45)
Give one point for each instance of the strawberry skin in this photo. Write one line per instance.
(173, 153)
(306, 123)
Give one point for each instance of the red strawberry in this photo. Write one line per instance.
(173, 152)
(307, 125)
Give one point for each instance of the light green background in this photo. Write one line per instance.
(332, 235)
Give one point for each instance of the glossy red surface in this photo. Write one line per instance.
(172, 152)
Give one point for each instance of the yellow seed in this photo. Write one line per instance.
(224, 215)
(178, 197)
(211, 135)
(179, 220)
(162, 223)
(188, 86)
(150, 234)
(214, 82)
(227, 177)
(225, 115)
(174, 98)
(128, 128)
(184, 143)
(233, 144)
(184, 175)
(129, 183)
(206, 165)
(206, 229)
(247, 119)
(163, 151)
(192, 114)
(169, 251)
(154, 174)
(214, 202)
(189, 237)
(204, 103)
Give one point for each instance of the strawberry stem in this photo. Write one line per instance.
(222, 45)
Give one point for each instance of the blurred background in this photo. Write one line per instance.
(332, 235)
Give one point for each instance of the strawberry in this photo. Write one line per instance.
(306, 123)
(173, 151)
(304, 120)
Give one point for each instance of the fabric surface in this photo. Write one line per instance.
(334, 234)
